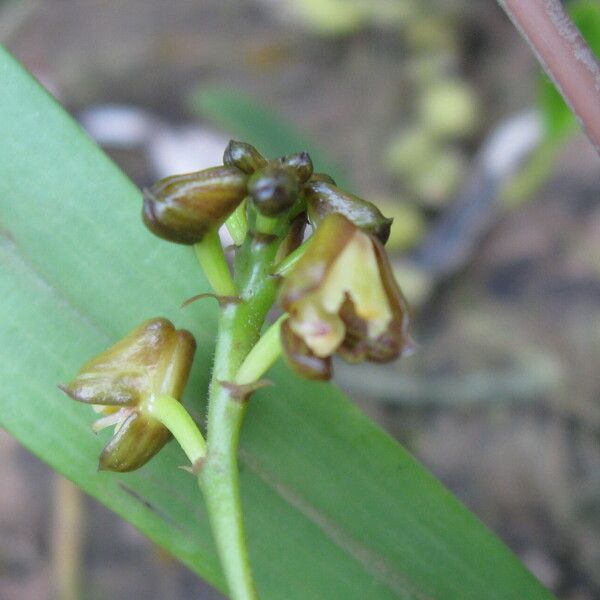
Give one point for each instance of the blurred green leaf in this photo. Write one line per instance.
(253, 122)
(559, 119)
(334, 507)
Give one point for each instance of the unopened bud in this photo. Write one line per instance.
(182, 208)
(273, 190)
(300, 163)
(243, 156)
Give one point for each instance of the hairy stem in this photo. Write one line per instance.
(239, 330)
(565, 56)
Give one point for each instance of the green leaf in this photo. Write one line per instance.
(243, 116)
(334, 507)
(559, 119)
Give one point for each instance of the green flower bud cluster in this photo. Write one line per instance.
(183, 208)
(339, 296)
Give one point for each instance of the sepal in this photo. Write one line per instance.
(324, 198)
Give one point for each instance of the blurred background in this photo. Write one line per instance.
(437, 111)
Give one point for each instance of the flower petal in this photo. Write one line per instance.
(300, 357)
(137, 440)
(328, 241)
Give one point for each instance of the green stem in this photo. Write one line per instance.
(262, 356)
(237, 224)
(239, 331)
(266, 225)
(211, 257)
(286, 265)
(177, 420)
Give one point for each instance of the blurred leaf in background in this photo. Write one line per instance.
(250, 120)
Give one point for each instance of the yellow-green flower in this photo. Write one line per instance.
(154, 359)
(342, 299)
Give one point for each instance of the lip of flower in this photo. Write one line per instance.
(341, 296)
(154, 359)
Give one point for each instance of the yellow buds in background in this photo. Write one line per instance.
(183, 208)
(154, 359)
(342, 298)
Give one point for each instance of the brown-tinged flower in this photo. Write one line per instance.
(183, 208)
(324, 198)
(342, 299)
(154, 359)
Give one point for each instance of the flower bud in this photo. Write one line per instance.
(273, 190)
(243, 156)
(300, 163)
(182, 208)
(342, 298)
(324, 198)
(154, 359)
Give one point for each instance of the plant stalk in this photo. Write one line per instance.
(211, 257)
(239, 330)
(172, 414)
(263, 355)
(287, 264)
(237, 224)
